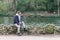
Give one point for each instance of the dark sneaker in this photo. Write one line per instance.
(19, 34)
(25, 30)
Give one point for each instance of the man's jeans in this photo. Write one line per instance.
(18, 26)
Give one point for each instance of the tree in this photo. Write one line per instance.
(21, 5)
(38, 5)
(3, 7)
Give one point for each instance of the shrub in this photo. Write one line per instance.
(49, 28)
(3, 29)
(58, 29)
(12, 30)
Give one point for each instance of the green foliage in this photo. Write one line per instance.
(32, 30)
(28, 5)
(3, 7)
(49, 28)
(21, 5)
(38, 5)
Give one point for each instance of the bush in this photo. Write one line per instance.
(49, 28)
(32, 30)
(57, 29)
(12, 30)
(35, 30)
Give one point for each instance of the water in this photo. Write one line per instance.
(32, 20)
(41, 20)
(6, 20)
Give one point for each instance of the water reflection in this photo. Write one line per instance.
(32, 20)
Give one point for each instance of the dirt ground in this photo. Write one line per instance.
(30, 37)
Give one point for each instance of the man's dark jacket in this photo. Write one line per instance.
(16, 19)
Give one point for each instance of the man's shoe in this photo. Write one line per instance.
(25, 30)
(19, 34)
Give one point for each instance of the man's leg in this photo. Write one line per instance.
(18, 29)
(23, 24)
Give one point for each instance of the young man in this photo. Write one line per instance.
(18, 21)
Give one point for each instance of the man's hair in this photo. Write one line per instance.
(18, 12)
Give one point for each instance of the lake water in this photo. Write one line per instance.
(32, 20)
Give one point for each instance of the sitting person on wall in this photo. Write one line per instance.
(18, 21)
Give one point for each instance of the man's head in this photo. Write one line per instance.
(18, 12)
